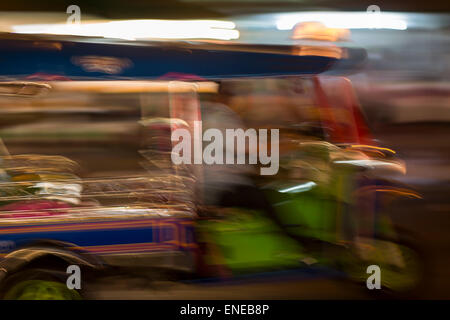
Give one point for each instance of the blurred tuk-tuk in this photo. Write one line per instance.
(87, 177)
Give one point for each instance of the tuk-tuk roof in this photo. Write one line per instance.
(29, 57)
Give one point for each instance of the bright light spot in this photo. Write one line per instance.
(300, 188)
(139, 29)
(368, 163)
(344, 20)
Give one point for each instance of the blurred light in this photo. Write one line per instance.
(139, 29)
(126, 86)
(369, 163)
(318, 31)
(344, 20)
(321, 51)
(371, 147)
(300, 188)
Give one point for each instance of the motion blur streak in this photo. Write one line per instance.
(139, 29)
(345, 20)
(361, 103)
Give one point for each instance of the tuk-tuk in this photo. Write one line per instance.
(87, 177)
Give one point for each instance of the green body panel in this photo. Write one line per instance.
(310, 214)
(248, 240)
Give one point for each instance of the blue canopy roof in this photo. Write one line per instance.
(22, 58)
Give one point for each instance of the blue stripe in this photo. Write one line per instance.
(84, 238)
